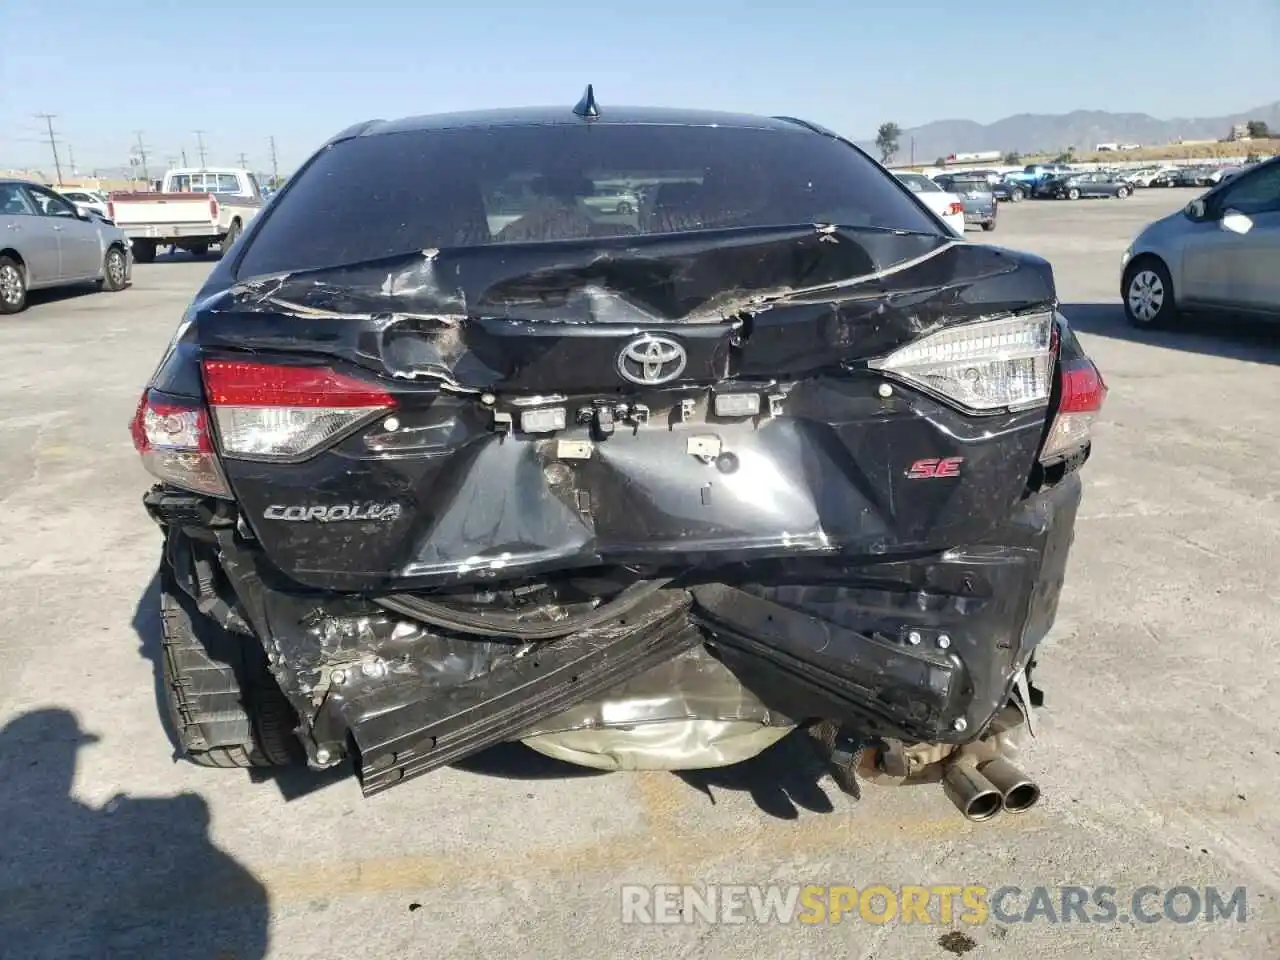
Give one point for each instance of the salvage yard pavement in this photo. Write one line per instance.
(1157, 752)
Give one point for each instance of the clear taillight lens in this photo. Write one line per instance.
(172, 437)
(1083, 393)
(271, 412)
(982, 366)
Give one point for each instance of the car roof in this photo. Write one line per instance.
(565, 116)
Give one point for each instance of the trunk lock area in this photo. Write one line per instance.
(603, 418)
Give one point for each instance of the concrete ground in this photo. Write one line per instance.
(1158, 752)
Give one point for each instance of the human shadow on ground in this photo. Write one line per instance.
(783, 780)
(134, 877)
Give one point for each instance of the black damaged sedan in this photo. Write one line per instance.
(450, 453)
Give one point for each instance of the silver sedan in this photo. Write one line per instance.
(46, 242)
(1221, 252)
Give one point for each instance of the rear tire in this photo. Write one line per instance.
(1147, 293)
(1073, 194)
(225, 707)
(144, 251)
(198, 249)
(13, 286)
(1122, 193)
(989, 226)
(1016, 196)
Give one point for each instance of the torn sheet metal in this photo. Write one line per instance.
(520, 316)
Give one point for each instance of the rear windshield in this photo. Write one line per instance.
(919, 183)
(970, 184)
(390, 194)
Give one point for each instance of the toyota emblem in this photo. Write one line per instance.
(650, 360)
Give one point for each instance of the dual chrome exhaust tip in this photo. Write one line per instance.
(981, 790)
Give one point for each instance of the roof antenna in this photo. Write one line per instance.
(587, 107)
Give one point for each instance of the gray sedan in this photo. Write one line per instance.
(1220, 252)
(46, 242)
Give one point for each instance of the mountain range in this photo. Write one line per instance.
(1051, 133)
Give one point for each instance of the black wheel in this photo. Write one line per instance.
(623, 208)
(1122, 193)
(144, 251)
(1016, 196)
(1147, 291)
(226, 709)
(1073, 194)
(989, 225)
(13, 286)
(234, 231)
(198, 249)
(114, 270)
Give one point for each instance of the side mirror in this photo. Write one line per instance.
(1196, 210)
(1236, 222)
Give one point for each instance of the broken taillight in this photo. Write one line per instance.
(956, 208)
(272, 412)
(983, 366)
(172, 437)
(1083, 392)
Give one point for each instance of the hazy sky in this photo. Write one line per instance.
(243, 72)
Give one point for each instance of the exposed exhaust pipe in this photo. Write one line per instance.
(976, 796)
(1019, 792)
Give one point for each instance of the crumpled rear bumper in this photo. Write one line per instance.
(920, 649)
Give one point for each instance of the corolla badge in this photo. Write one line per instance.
(651, 359)
(306, 513)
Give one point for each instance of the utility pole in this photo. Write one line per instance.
(53, 142)
(71, 159)
(244, 162)
(275, 168)
(142, 156)
(913, 151)
(200, 146)
(184, 156)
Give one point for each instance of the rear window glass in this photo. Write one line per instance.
(919, 183)
(970, 183)
(391, 194)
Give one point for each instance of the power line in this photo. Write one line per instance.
(200, 146)
(53, 142)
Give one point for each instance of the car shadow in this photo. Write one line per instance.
(1214, 334)
(51, 295)
(134, 877)
(183, 256)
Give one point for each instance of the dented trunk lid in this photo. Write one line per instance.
(632, 340)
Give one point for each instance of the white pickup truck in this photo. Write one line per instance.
(193, 209)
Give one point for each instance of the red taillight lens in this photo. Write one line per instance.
(956, 208)
(111, 210)
(1083, 392)
(267, 411)
(213, 207)
(172, 437)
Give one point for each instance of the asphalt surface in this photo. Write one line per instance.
(1158, 751)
